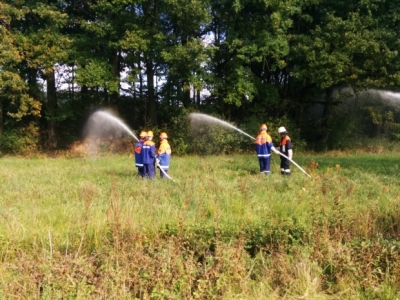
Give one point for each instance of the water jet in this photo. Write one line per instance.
(207, 118)
(102, 116)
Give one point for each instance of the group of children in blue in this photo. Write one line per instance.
(147, 159)
(264, 146)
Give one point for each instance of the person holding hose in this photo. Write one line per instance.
(264, 146)
(164, 154)
(286, 148)
(138, 153)
(149, 156)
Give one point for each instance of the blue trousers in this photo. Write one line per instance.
(265, 165)
(141, 171)
(150, 170)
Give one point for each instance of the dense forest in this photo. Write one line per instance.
(321, 68)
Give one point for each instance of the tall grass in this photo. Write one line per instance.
(91, 228)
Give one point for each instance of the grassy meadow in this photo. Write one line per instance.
(90, 228)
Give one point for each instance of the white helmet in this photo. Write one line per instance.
(282, 130)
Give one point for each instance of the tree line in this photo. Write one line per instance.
(151, 61)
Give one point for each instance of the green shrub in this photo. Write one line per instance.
(178, 132)
(208, 138)
(22, 140)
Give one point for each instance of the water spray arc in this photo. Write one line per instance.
(204, 117)
(108, 116)
(114, 120)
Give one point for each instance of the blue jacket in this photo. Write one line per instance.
(164, 154)
(138, 153)
(263, 144)
(148, 152)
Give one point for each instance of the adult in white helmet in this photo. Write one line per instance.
(285, 148)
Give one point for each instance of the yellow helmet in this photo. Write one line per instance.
(163, 135)
(143, 134)
(150, 133)
(263, 127)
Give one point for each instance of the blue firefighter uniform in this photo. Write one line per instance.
(139, 156)
(164, 155)
(264, 145)
(149, 156)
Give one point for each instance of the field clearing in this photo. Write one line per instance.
(78, 210)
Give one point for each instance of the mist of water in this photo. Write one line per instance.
(101, 127)
(206, 118)
(392, 96)
(101, 117)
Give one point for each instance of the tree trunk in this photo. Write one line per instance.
(329, 102)
(150, 92)
(186, 95)
(140, 80)
(198, 97)
(377, 129)
(84, 93)
(34, 90)
(51, 108)
(1, 117)
(115, 65)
